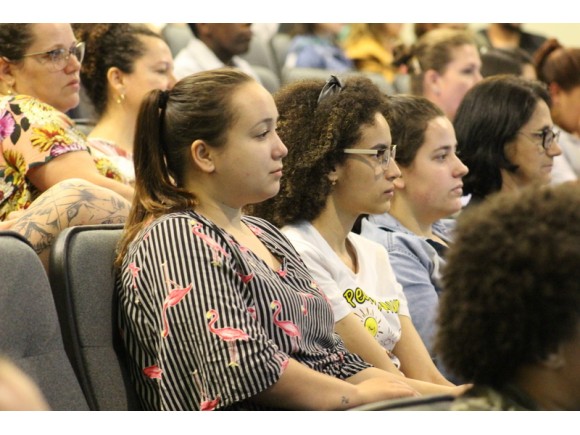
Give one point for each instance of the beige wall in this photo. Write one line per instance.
(567, 33)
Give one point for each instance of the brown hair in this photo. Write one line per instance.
(197, 107)
(15, 40)
(109, 45)
(556, 64)
(433, 51)
(408, 117)
(511, 283)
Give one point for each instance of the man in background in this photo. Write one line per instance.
(215, 45)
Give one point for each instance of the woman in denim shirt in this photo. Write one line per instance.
(414, 231)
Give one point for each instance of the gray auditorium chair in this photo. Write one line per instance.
(260, 53)
(280, 43)
(30, 334)
(177, 36)
(439, 402)
(82, 279)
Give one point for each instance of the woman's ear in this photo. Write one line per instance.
(115, 77)
(555, 92)
(202, 156)
(7, 78)
(116, 80)
(431, 82)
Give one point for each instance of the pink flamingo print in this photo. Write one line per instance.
(287, 326)
(174, 296)
(134, 273)
(305, 297)
(215, 247)
(252, 311)
(245, 278)
(254, 229)
(153, 372)
(206, 404)
(314, 285)
(227, 334)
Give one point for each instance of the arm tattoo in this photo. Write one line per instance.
(68, 204)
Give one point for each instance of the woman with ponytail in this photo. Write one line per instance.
(559, 68)
(217, 310)
(443, 65)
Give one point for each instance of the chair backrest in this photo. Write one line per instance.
(83, 282)
(177, 36)
(30, 334)
(439, 402)
(280, 44)
(260, 53)
(267, 78)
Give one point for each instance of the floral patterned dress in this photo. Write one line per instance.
(31, 134)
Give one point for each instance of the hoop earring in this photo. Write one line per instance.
(120, 98)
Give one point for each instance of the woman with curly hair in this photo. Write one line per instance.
(41, 151)
(509, 318)
(340, 165)
(122, 63)
(559, 68)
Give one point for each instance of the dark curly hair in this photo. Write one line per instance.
(315, 135)
(490, 115)
(15, 39)
(511, 292)
(109, 45)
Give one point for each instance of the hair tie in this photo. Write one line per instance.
(332, 86)
(163, 97)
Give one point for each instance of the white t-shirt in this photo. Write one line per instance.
(197, 56)
(372, 294)
(567, 165)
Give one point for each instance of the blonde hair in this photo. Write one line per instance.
(433, 51)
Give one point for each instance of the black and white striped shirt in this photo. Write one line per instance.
(207, 324)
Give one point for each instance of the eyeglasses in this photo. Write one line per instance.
(58, 58)
(383, 155)
(548, 135)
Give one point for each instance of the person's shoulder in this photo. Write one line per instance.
(260, 223)
(32, 107)
(366, 244)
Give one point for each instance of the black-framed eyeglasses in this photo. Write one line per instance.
(383, 154)
(58, 59)
(548, 136)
